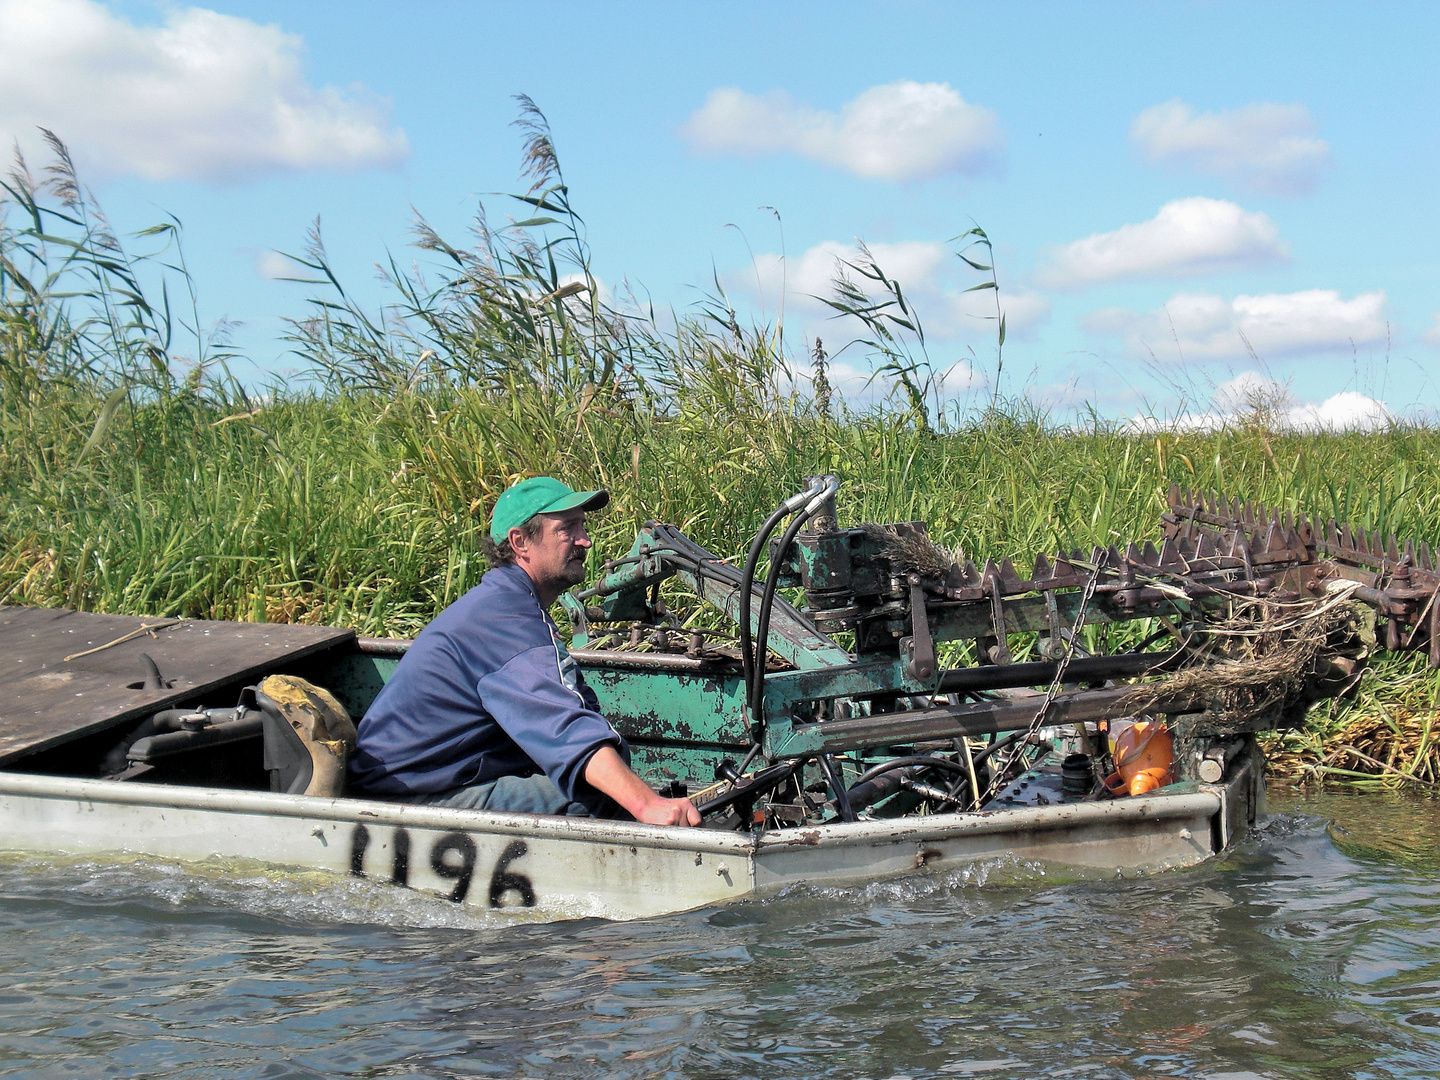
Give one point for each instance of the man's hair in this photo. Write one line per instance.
(501, 554)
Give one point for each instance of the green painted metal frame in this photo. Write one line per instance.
(695, 715)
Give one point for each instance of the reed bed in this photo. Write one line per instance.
(137, 477)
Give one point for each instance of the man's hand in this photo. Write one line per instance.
(670, 812)
(606, 771)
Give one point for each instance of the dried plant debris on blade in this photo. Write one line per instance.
(1258, 663)
(911, 551)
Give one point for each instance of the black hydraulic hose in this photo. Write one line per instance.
(747, 587)
(863, 796)
(919, 761)
(716, 568)
(904, 762)
(767, 601)
(880, 782)
(762, 629)
(998, 744)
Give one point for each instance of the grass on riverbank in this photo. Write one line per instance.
(136, 480)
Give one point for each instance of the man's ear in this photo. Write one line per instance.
(519, 542)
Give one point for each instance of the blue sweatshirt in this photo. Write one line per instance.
(487, 690)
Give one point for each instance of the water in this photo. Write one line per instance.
(1311, 951)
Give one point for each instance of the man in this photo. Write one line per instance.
(487, 709)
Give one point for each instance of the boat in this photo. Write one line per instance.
(860, 756)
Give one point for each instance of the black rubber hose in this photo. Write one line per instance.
(877, 790)
(767, 605)
(754, 672)
(694, 553)
(747, 585)
(903, 762)
(871, 786)
(999, 744)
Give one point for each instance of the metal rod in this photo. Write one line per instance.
(374, 646)
(1041, 672)
(889, 729)
(837, 787)
(970, 769)
(616, 658)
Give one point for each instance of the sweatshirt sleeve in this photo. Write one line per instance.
(554, 724)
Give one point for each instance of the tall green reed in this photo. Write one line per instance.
(136, 477)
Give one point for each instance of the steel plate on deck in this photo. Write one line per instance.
(64, 674)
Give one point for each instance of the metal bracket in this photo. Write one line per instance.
(1000, 651)
(1055, 647)
(919, 647)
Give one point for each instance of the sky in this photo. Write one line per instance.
(1192, 206)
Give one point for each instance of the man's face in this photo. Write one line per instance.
(555, 560)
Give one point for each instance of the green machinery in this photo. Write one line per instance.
(824, 698)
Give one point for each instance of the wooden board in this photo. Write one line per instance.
(46, 699)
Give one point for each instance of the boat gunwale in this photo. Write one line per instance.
(1027, 819)
(369, 812)
(1158, 807)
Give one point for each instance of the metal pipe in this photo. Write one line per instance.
(929, 792)
(1042, 672)
(749, 787)
(888, 729)
(375, 646)
(638, 661)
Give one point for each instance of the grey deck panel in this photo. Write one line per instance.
(46, 700)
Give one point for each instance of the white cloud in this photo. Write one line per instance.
(1346, 411)
(927, 274)
(1432, 336)
(901, 131)
(272, 266)
(1264, 147)
(1024, 312)
(1199, 326)
(913, 263)
(204, 95)
(924, 270)
(856, 385)
(1188, 237)
(1251, 397)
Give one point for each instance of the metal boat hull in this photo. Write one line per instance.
(568, 867)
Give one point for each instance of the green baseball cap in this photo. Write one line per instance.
(538, 495)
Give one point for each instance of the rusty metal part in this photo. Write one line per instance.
(1398, 578)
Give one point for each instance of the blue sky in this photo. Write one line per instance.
(1189, 202)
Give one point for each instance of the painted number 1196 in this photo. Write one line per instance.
(452, 857)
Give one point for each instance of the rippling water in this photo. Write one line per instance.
(1311, 951)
